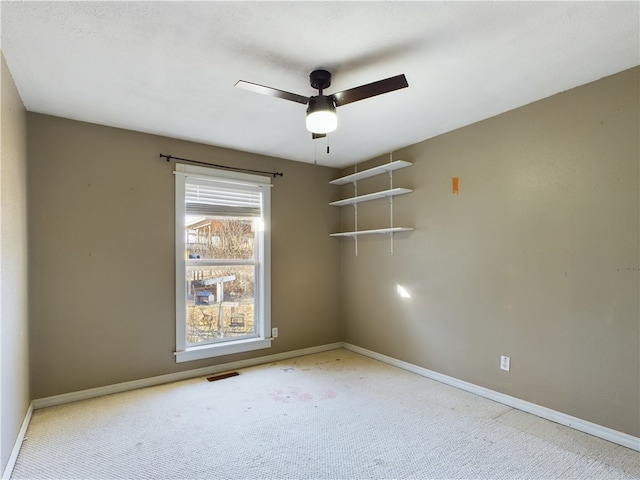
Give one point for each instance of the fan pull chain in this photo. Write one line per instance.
(315, 153)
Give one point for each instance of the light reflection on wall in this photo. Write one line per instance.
(403, 292)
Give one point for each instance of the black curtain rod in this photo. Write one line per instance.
(171, 157)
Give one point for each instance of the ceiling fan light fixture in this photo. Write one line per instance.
(321, 115)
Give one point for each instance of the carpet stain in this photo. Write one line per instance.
(328, 395)
(292, 395)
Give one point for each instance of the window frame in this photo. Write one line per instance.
(187, 352)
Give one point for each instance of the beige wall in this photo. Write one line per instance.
(101, 219)
(14, 360)
(536, 257)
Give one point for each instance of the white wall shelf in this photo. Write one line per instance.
(356, 199)
(370, 232)
(387, 167)
(371, 196)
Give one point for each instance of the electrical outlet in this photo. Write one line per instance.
(505, 363)
(274, 332)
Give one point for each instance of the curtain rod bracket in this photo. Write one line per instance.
(238, 169)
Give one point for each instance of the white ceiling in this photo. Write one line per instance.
(169, 68)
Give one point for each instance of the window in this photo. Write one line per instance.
(222, 262)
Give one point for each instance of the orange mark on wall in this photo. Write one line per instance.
(454, 186)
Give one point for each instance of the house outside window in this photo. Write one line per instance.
(222, 262)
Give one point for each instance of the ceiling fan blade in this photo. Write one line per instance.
(370, 90)
(272, 92)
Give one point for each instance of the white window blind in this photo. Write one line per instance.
(211, 199)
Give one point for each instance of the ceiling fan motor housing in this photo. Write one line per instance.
(320, 79)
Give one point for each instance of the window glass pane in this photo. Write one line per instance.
(220, 302)
(220, 238)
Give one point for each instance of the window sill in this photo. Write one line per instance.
(219, 349)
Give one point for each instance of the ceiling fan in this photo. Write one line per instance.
(321, 109)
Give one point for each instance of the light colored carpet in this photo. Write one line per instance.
(333, 415)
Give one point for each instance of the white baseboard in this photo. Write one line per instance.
(175, 377)
(594, 429)
(6, 474)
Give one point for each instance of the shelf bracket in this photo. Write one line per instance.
(391, 205)
(355, 224)
(355, 207)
